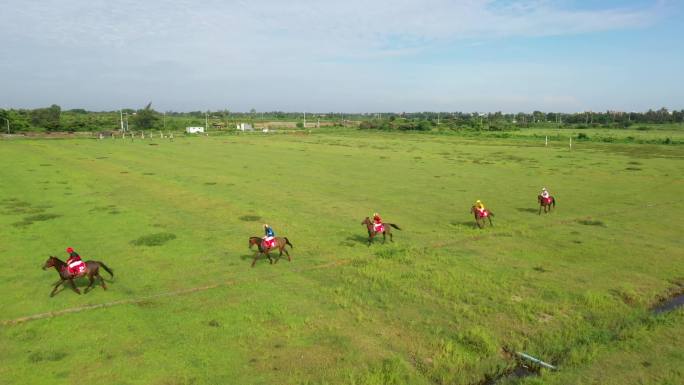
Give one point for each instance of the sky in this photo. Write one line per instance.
(343, 56)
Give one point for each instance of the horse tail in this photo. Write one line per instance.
(110, 271)
(553, 200)
(395, 226)
(287, 242)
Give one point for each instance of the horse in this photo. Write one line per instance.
(280, 244)
(92, 270)
(547, 204)
(372, 233)
(480, 216)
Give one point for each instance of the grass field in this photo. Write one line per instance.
(443, 304)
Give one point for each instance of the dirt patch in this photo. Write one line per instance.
(51, 356)
(153, 239)
(589, 222)
(27, 221)
(250, 218)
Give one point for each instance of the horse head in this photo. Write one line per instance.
(255, 241)
(51, 262)
(366, 221)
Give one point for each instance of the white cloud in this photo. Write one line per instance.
(318, 27)
(273, 53)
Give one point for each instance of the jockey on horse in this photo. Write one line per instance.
(378, 226)
(75, 266)
(269, 237)
(479, 206)
(546, 195)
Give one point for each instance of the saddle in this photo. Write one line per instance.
(482, 213)
(76, 268)
(379, 227)
(268, 244)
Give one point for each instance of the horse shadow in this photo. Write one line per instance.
(261, 257)
(527, 210)
(353, 239)
(81, 283)
(470, 223)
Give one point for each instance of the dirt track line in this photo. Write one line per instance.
(174, 293)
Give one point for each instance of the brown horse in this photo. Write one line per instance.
(546, 204)
(480, 218)
(92, 270)
(280, 245)
(372, 233)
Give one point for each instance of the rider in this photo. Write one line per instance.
(377, 222)
(545, 193)
(479, 206)
(269, 234)
(74, 261)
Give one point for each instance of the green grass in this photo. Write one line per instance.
(441, 305)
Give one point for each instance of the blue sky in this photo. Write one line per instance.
(351, 56)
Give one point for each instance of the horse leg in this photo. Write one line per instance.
(390, 234)
(270, 260)
(73, 286)
(280, 249)
(256, 256)
(490, 221)
(288, 255)
(384, 237)
(92, 280)
(102, 282)
(61, 281)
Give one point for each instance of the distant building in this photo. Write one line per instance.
(194, 130)
(245, 127)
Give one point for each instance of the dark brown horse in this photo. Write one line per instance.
(280, 245)
(92, 270)
(480, 217)
(372, 233)
(547, 204)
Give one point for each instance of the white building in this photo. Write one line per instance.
(194, 130)
(245, 127)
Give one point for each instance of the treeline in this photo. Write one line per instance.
(498, 121)
(53, 118)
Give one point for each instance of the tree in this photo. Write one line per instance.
(47, 118)
(146, 118)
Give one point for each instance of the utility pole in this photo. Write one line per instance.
(121, 119)
(164, 119)
(7, 120)
(206, 121)
(304, 119)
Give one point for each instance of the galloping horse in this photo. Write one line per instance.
(92, 270)
(372, 233)
(280, 244)
(481, 215)
(546, 203)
